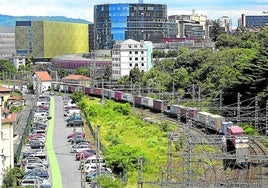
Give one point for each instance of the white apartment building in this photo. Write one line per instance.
(129, 54)
(6, 141)
(41, 81)
(18, 61)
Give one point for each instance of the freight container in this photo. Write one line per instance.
(192, 112)
(118, 95)
(215, 122)
(138, 100)
(202, 117)
(97, 91)
(107, 93)
(224, 127)
(159, 105)
(127, 97)
(87, 90)
(175, 110)
(147, 102)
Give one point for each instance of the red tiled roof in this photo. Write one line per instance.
(76, 77)
(4, 89)
(43, 76)
(10, 118)
(16, 98)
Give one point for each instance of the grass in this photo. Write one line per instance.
(132, 131)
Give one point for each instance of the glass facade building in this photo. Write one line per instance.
(47, 39)
(118, 22)
(254, 21)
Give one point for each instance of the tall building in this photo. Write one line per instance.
(190, 26)
(47, 39)
(226, 23)
(129, 54)
(254, 21)
(7, 42)
(137, 21)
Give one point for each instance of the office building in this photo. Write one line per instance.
(254, 21)
(136, 21)
(7, 42)
(47, 39)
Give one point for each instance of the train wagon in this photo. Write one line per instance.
(107, 93)
(71, 88)
(202, 117)
(138, 100)
(118, 95)
(112, 94)
(97, 91)
(127, 97)
(174, 110)
(237, 135)
(147, 102)
(159, 105)
(87, 90)
(215, 122)
(192, 112)
(224, 127)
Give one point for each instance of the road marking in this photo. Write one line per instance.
(53, 163)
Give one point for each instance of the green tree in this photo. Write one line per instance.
(62, 73)
(76, 96)
(13, 177)
(83, 71)
(135, 74)
(122, 156)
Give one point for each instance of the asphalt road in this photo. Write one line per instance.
(70, 175)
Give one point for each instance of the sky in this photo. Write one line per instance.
(83, 9)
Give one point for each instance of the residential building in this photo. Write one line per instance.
(47, 39)
(129, 54)
(41, 82)
(76, 79)
(122, 21)
(19, 61)
(253, 21)
(7, 145)
(5, 94)
(226, 23)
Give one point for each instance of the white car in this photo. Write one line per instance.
(81, 148)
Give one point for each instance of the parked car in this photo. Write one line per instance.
(32, 166)
(77, 147)
(71, 135)
(31, 182)
(36, 144)
(42, 173)
(75, 123)
(85, 154)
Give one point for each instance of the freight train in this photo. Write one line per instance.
(235, 135)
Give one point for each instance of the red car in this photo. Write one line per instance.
(34, 135)
(85, 154)
(71, 135)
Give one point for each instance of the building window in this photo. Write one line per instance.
(136, 52)
(136, 59)
(130, 59)
(130, 64)
(130, 52)
(142, 52)
(136, 64)
(142, 64)
(142, 58)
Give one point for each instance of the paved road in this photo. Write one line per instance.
(70, 175)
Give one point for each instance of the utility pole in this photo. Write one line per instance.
(140, 179)
(221, 99)
(256, 114)
(238, 108)
(102, 93)
(266, 119)
(199, 99)
(193, 91)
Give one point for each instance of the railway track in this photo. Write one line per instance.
(254, 176)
